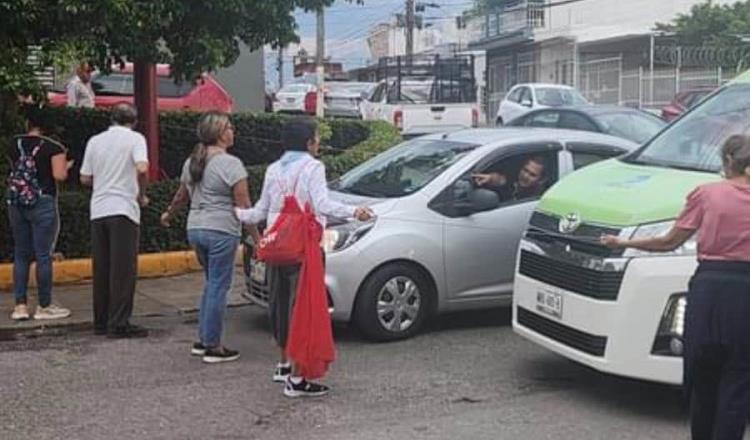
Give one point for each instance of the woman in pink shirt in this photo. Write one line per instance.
(717, 323)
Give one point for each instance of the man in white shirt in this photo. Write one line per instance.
(79, 90)
(116, 164)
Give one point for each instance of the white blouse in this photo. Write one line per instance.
(311, 186)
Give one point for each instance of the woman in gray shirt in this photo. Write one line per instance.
(214, 182)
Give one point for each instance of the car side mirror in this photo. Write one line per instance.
(483, 200)
(526, 103)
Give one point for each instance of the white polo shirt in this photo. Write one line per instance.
(110, 159)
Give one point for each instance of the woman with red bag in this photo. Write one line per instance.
(295, 192)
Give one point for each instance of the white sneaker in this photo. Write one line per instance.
(51, 312)
(20, 313)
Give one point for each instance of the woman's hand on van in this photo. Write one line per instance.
(611, 241)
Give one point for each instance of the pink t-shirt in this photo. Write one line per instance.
(720, 213)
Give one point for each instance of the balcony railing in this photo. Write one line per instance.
(516, 18)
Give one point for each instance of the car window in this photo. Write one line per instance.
(576, 121)
(557, 97)
(631, 125)
(295, 88)
(404, 169)
(585, 154)
(515, 95)
(168, 89)
(695, 98)
(377, 94)
(526, 95)
(542, 119)
(526, 176)
(115, 84)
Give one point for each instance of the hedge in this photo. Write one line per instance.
(256, 139)
(74, 239)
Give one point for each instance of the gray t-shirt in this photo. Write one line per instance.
(212, 199)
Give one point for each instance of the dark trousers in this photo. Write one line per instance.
(717, 350)
(114, 242)
(283, 289)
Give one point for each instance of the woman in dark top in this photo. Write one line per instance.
(37, 164)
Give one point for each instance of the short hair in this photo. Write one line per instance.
(297, 133)
(539, 159)
(35, 117)
(124, 114)
(735, 154)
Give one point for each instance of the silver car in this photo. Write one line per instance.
(439, 242)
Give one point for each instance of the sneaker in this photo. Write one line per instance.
(304, 389)
(51, 312)
(220, 355)
(127, 332)
(198, 349)
(20, 313)
(281, 372)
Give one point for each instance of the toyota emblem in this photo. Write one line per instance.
(569, 223)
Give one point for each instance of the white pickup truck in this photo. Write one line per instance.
(419, 107)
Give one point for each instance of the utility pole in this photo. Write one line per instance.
(410, 25)
(320, 60)
(280, 67)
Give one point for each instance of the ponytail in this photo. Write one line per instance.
(198, 160)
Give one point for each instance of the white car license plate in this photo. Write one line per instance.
(290, 100)
(258, 271)
(549, 303)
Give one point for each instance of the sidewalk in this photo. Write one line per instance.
(170, 296)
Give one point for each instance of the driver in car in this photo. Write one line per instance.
(530, 183)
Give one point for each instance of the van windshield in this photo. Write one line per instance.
(402, 170)
(694, 141)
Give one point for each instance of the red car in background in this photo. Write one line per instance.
(203, 94)
(683, 102)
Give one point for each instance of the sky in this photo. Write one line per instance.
(347, 26)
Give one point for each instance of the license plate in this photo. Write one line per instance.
(258, 271)
(290, 100)
(549, 303)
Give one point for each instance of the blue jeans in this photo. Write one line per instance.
(35, 231)
(215, 251)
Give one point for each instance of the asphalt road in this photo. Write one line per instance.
(468, 377)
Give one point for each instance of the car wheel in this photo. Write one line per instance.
(394, 302)
(499, 122)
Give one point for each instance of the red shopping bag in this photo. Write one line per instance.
(310, 344)
(284, 242)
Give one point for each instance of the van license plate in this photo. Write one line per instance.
(549, 303)
(258, 271)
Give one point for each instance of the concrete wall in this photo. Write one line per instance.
(245, 81)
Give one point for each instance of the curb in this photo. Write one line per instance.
(155, 265)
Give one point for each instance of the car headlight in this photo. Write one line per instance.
(340, 237)
(668, 341)
(689, 248)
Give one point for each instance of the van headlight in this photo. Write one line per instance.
(669, 337)
(340, 237)
(689, 248)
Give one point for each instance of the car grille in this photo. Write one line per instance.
(596, 284)
(582, 341)
(544, 228)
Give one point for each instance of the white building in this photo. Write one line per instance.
(607, 48)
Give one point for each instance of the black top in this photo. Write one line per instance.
(43, 159)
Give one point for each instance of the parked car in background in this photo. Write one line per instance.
(294, 98)
(203, 94)
(343, 99)
(438, 243)
(524, 98)
(684, 101)
(625, 122)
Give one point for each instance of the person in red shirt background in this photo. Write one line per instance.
(717, 322)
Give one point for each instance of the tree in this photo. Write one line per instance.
(710, 24)
(191, 35)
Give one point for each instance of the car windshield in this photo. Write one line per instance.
(631, 125)
(416, 93)
(348, 88)
(121, 84)
(295, 88)
(693, 141)
(404, 169)
(557, 97)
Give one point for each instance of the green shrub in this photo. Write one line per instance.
(75, 241)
